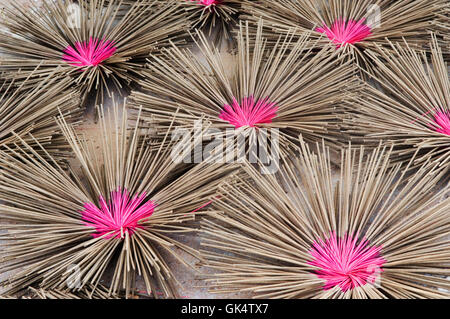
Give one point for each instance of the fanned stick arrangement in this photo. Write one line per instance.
(118, 215)
(353, 26)
(88, 41)
(283, 87)
(375, 232)
(414, 111)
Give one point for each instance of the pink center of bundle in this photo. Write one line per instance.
(346, 32)
(345, 263)
(207, 3)
(120, 215)
(90, 53)
(249, 112)
(441, 123)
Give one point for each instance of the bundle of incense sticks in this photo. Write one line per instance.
(355, 27)
(376, 233)
(284, 87)
(89, 42)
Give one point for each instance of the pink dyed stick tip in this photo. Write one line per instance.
(119, 216)
(441, 123)
(346, 32)
(249, 112)
(345, 263)
(91, 53)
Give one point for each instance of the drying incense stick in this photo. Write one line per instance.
(285, 87)
(375, 232)
(87, 41)
(33, 111)
(66, 230)
(353, 26)
(415, 111)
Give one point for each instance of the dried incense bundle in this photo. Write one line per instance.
(116, 216)
(373, 233)
(29, 114)
(88, 42)
(353, 25)
(284, 87)
(210, 14)
(415, 111)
